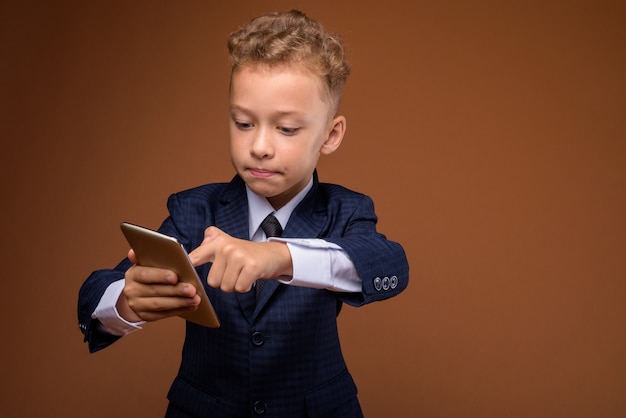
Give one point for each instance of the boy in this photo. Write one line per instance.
(276, 353)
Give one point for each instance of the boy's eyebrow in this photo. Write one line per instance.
(236, 107)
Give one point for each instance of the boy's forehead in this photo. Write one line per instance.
(296, 67)
(275, 72)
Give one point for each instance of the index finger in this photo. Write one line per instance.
(205, 253)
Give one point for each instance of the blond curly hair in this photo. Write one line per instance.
(292, 38)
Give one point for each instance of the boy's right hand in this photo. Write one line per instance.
(152, 293)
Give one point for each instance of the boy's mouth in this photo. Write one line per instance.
(261, 173)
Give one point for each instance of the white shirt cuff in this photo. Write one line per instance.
(106, 312)
(321, 264)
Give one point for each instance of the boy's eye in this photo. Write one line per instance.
(243, 125)
(287, 131)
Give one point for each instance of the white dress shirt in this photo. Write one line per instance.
(316, 263)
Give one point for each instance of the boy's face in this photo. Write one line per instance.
(279, 126)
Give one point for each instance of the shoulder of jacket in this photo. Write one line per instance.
(336, 190)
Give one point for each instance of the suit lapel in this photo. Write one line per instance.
(232, 216)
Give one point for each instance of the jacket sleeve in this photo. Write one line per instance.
(382, 264)
(88, 298)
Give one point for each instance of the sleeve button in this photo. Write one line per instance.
(386, 283)
(393, 282)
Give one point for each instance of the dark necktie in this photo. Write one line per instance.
(272, 228)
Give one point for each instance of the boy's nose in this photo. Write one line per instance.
(261, 146)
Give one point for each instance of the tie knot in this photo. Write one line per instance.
(271, 226)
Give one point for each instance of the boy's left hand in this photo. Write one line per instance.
(237, 263)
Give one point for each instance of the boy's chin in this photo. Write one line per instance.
(262, 190)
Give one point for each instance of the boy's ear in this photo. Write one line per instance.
(335, 135)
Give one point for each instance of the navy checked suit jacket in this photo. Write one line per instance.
(280, 356)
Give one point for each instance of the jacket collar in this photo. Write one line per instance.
(307, 219)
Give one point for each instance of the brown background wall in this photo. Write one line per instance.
(490, 134)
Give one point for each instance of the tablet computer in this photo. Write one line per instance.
(154, 249)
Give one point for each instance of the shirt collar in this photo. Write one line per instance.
(259, 208)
